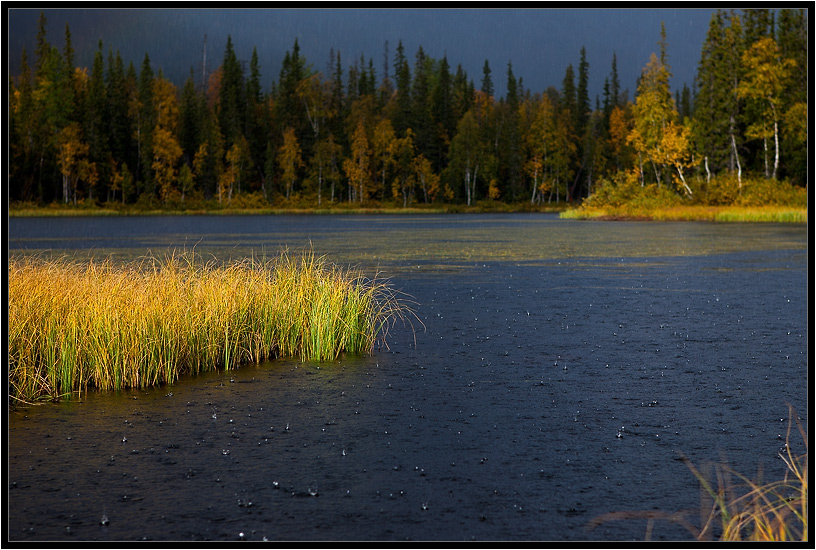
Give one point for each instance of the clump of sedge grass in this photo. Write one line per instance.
(74, 325)
(757, 511)
(744, 511)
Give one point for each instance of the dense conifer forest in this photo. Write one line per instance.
(411, 130)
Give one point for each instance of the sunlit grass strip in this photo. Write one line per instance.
(778, 214)
(763, 214)
(74, 326)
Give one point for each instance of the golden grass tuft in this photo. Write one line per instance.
(755, 510)
(747, 510)
(78, 325)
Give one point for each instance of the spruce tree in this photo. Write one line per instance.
(402, 118)
(442, 116)
(145, 123)
(487, 81)
(421, 122)
(97, 123)
(792, 37)
(231, 98)
(509, 180)
(582, 94)
(119, 121)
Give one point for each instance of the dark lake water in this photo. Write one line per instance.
(562, 369)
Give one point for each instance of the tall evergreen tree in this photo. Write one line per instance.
(22, 135)
(289, 110)
(402, 117)
(43, 48)
(792, 37)
(757, 23)
(715, 105)
(145, 123)
(567, 110)
(55, 105)
(442, 115)
(257, 119)
(336, 101)
(421, 122)
(487, 80)
(611, 94)
(614, 82)
(509, 163)
(71, 80)
(97, 121)
(231, 97)
(582, 94)
(386, 85)
(568, 95)
(462, 95)
(189, 120)
(119, 136)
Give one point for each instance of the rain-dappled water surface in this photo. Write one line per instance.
(562, 369)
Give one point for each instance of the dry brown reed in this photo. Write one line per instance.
(743, 510)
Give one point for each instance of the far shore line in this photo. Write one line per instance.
(775, 213)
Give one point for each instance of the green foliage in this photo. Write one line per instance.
(625, 191)
(724, 198)
(721, 190)
(760, 192)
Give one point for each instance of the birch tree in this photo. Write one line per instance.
(289, 159)
(165, 145)
(765, 79)
(324, 165)
(356, 167)
(654, 110)
(466, 153)
(404, 168)
(71, 152)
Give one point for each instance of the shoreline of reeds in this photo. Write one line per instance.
(720, 214)
(77, 325)
(31, 210)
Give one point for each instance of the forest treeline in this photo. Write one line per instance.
(417, 131)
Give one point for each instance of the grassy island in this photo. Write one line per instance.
(78, 325)
(721, 199)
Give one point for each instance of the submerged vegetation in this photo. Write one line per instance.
(79, 325)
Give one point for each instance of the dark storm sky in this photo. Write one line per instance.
(540, 43)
